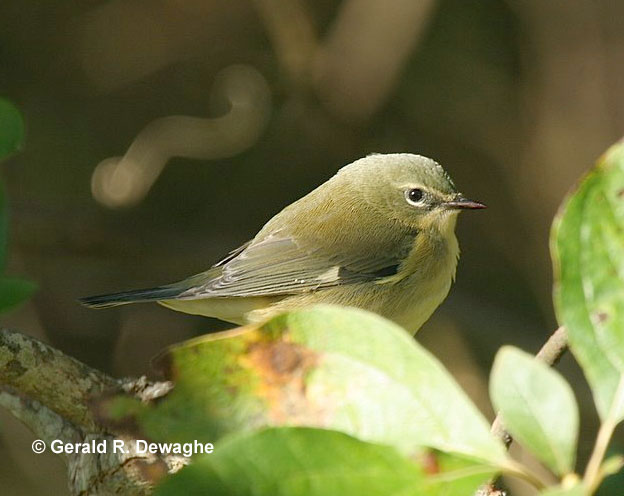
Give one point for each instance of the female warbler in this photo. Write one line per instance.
(379, 235)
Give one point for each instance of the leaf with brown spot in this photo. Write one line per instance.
(328, 367)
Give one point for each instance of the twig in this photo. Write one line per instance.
(550, 354)
(592, 478)
(554, 348)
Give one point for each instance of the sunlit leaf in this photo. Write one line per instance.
(11, 128)
(330, 367)
(311, 462)
(537, 406)
(587, 245)
(14, 291)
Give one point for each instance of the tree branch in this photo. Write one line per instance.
(43, 422)
(51, 393)
(26, 364)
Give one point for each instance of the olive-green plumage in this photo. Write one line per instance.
(379, 235)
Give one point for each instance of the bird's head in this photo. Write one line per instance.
(410, 189)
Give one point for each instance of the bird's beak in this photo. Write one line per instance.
(461, 202)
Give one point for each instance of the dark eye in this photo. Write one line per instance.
(414, 195)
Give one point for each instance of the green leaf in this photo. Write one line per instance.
(587, 245)
(11, 128)
(14, 291)
(311, 462)
(330, 367)
(537, 406)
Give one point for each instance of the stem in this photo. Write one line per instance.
(593, 477)
(522, 472)
(554, 348)
(549, 353)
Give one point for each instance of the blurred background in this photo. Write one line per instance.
(226, 111)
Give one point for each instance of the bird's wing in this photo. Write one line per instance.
(279, 265)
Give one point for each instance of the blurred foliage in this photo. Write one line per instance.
(12, 129)
(13, 291)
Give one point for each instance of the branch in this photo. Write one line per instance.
(26, 364)
(554, 348)
(43, 422)
(550, 354)
(51, 393)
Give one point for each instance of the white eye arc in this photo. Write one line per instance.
(415, 196)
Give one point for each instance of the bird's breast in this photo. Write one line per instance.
(429, 272)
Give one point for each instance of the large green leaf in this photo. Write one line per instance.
(537, 406)
(329, 367)
(314, 462)
(11, 128)
(587, 245)
(14, 291)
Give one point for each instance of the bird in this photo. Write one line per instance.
(379, 235)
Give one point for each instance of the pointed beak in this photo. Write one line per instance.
(461, 202)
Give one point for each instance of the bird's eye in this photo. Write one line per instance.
(414, 195)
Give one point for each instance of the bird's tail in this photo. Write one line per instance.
(134, 296)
